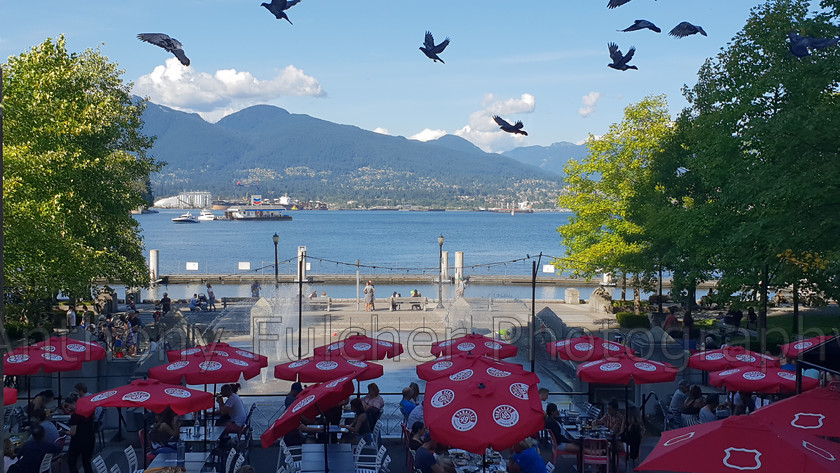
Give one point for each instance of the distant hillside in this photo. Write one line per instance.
(269, 148)
(548, 158)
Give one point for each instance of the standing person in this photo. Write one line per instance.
(255, 290)
(82, 438)
(232, 409)
(462, 286)
(633, 433)
(369, 291)
(165, 303)
(211, 298)
(71, 318)
(85, 316)
(688, 323)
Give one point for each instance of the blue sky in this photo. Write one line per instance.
(539, 61)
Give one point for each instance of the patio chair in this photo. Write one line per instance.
(98, 428)
(229, 461)
(549, 467)
(99, 464)
(554, 452)
(597, 452)
(46, 464)
(291, 456)
(688, 420)
(364, 466)
(115, 469)
(240, 460)
(131, 459)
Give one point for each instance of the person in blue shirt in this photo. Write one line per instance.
(424, 457)
(32, 452)
(527, 458)
(406, 404)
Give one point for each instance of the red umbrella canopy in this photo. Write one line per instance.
(475, 344)
(482, 407)
(315, 398)
(76, 350)
(205, 367)
(586, 348)
(9, 396)
(767, 379)
(729, 357)
(741, 443)
(810, 413)
(326, 367)
(222, 349)
(31, 360)
(623, 369)
(451, 364)
(361, 347)
(793, 349)
(149, 394)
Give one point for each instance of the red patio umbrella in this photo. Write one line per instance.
(764, 379)
(312, 400)
(221, 349)
(205, 368)
(623, 369)
(482, 407)
(729, 357)
(793, 349)
(475, 344)
(9, 396)
(451, 364)
(149, 394)
(326, 367)
(741, 443)
(814, 412)
(361, 347)
(586, 348)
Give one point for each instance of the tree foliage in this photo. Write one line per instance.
(75, 167)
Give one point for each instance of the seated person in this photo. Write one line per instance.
(194, 303)
(671, 321)
(406, 404)
(359, 427)
(710, 343)
(424, 457)
(9, 455)
(41, 400)
(679, 397)
(313, 295)
(394, 304)
(415, 293)
(418, 432)
(165, 432)
(709, 411)
(733, 317)
(50, 431)
(232, 410)
(526, 458)
(373, 404)
(32, 452)
(444, 464)
(612, 419)
(551, 423)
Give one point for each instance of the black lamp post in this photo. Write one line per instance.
(276, 240)
(440, 272)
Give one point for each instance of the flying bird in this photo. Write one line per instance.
(166, 42)
(640, 25)
(616, 3)
(799, 45)
(430, 50)
(278, 8)
(505, 126)
(686, 29)
(619, 61)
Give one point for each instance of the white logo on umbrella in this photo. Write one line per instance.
(497, 373)
(819, 451)
(303, 403)
(177, 365)
(238, 362)
(754, 375)
(77, 348)
(506, 415)
(746, 358)
(611, 346)
(48, 348)
(137, 396)
(52, 357)
(787, 375)
(17, 359)
(493, 345)
(362, 346)
(583, 346)
(678, 439)
(298, 364)
(446, 343)
(336, 346)
(729, 372)
(336, 382)
(102, 396)
(462, 375)
(756, 455)
(443, 398)
(177, 392)
(464, 419)
(221, 353)
(645, 366)
(561, 343)
(326, 365)
(612, 366)
(714, 356)
(210, 365)
(519, 391)
(246, 354)
(357, 363)
(384, 343)
(442, 365)
(804, 415)
(466, 346)
(190, 351)
(803, 345)
(591, 363)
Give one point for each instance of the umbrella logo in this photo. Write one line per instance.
(787, 375)
(137, 396)
(497, 373)
(519, 391)
(384, 343)
(443, 398)
(754, 375)
(303, 403)
(462, 375)
(356, 363)
(591, 363)
(52, 357)
(561, 343)
(362, 346)
(746, 358)
(819, 451)
(464, 419)
(210, 365)
(644, 366)
(803, 345)
(446, 343)
(246, 354)
(611, 346)
(102, 396)
(612, 366)
(441, 365)
(77, 347)
(741, 461)
(336, 346)
(298, 364)
(817, 420)
(49, 348)
(583, 346)
(177, 392)
(336, 382)
(493, 345)
(17, 359)
(190, 351)
(678, 439)
(714, 356)
(177, 365)
(505, 415)
(221, 353)
(326, 365)
(238, 362)
(728, 372)
(466, 346)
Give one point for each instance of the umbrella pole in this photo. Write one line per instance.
(326, 438)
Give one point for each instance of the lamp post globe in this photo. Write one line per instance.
(440, 272)
(276, 240)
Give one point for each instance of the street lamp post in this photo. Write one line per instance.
(276, 239)
(440, 272)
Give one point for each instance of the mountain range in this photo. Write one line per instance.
(269, 151)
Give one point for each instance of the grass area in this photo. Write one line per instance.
(814, 322)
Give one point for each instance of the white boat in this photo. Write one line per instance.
(206, 216)
(256, 212)
(186, 218)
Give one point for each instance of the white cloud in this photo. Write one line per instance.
(589, 101)
(225, 91)
(381, 131)
(427, 135)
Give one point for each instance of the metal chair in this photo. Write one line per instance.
(229, 460)
(46, 464)
(115, 469)
(99, 464)
(131, 458)
(549, 467)
(597, 452)
(240, 460)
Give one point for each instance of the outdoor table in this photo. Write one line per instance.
(339, 456)
(334, 429)
(194, 461)
(188, 434)
(466, 462)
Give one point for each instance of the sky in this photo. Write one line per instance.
(540, 61)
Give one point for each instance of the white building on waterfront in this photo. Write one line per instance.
(186, 200)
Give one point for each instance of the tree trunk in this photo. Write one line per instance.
(637, 296)
(623, 286)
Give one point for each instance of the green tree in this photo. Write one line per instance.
(75, 167)
(599, 237)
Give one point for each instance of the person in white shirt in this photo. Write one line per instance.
(232, 409)
(71, 318)
(679, 397)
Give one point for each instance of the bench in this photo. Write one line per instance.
(396, 302)
(319, 303)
